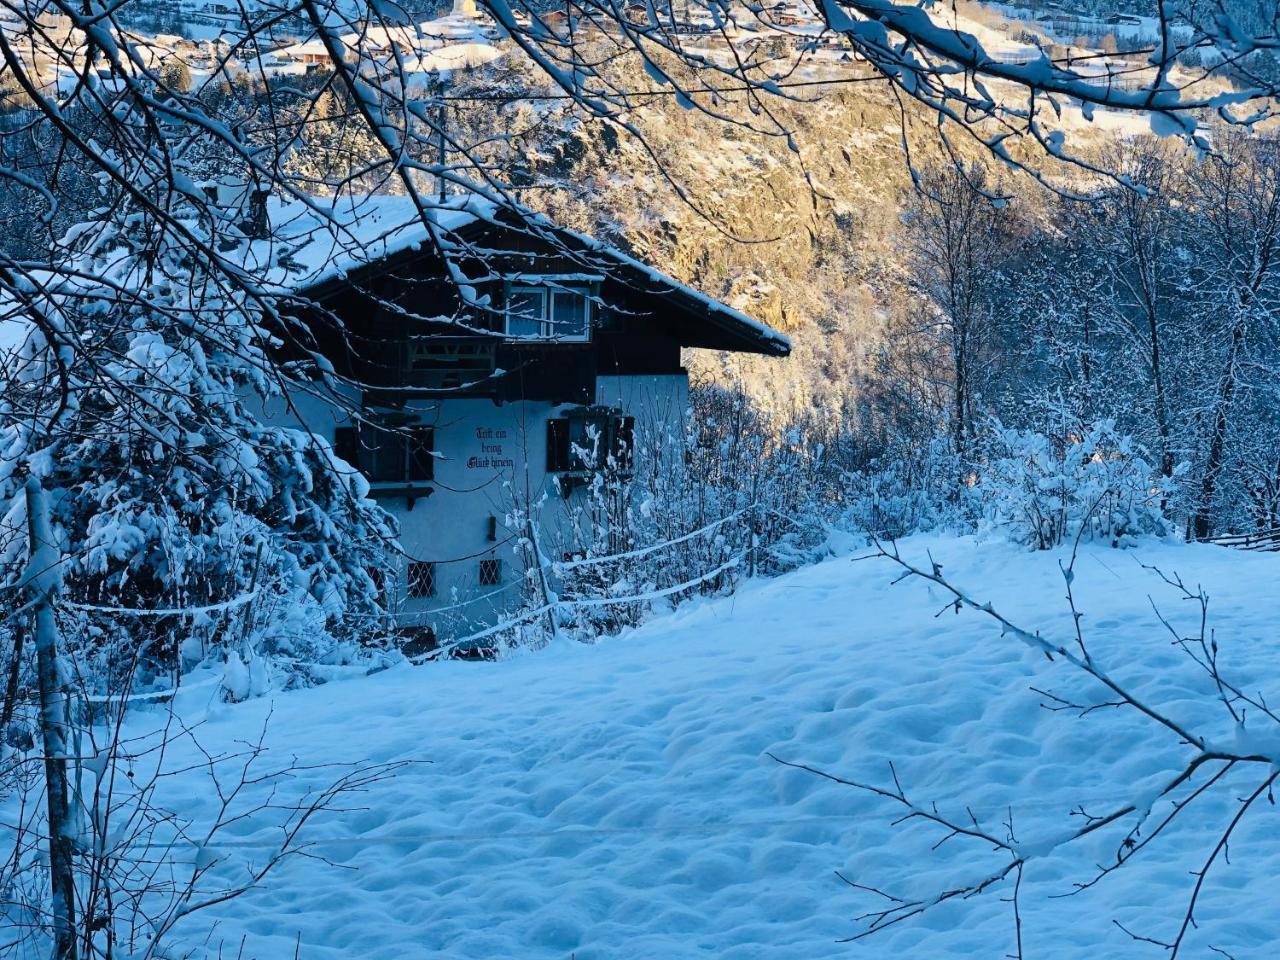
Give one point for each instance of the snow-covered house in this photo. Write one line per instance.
(442, 44)
(485, 363)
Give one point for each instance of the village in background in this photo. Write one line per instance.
(201, 36)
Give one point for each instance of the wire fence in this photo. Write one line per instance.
(548, 604)
(1262, 541)
(553, 607)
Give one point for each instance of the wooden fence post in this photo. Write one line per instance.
(548, 598)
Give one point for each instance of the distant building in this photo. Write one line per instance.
(312, 53)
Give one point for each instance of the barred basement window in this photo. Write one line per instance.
(490, 573)
(382, 584)
(422, 579)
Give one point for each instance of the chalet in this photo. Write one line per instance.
(311, 53)
(483, 362)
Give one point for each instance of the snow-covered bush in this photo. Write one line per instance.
(189, 529)
(898, 493)
(687, 512)
(1043, 489)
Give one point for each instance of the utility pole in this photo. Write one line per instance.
(42, 581)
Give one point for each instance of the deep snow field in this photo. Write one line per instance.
(616, 802)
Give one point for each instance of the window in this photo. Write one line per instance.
(558, 460)
(382, 584)
(422, 579)
(570, 310)
(590, 439)
(490, 572)
(406, 455)
(399, 455)
(549, 313)
(526, 309)
(420, 453)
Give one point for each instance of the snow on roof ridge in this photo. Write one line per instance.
(368, 209)
(317, 239)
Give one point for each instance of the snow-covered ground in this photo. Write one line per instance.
(617, 802)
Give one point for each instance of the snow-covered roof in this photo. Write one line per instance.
(445, 43)
(305, 48)
(465, 55)
(314, 241)
(317, 242)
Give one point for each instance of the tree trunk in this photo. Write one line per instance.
(1161, 402)
(960, 405)
(1202, 523)
(15, 669)
(42, 582)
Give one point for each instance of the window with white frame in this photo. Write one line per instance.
(549, 311)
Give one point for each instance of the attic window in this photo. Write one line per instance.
(549, 312)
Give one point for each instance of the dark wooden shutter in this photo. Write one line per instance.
(422, 464)
(557, 445)
(624, 442)
(346, 445)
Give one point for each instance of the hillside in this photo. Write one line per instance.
(803, 231)
(618, 801)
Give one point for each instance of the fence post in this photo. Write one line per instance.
(754, 542)
(42, 580)
(548, 598)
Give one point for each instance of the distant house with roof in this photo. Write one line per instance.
(485, 360)
(458, 41)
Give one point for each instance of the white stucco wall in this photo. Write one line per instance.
(657, 402)
(490, 462)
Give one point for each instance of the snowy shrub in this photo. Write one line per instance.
(897, 493)
(265, 540)
(190, 531)
(1042, 490)
(688, 513)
